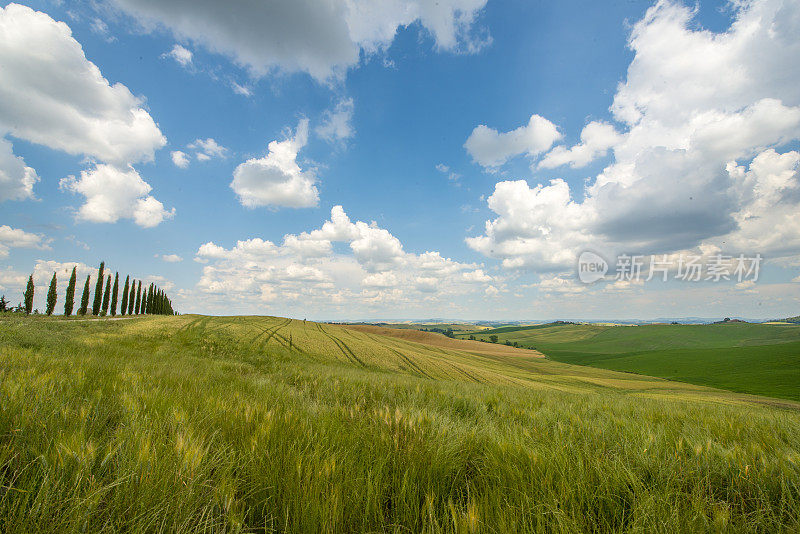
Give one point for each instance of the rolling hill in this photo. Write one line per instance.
(265, 424)
(761, 359)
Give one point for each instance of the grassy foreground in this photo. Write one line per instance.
(762, 359)
(185, 424)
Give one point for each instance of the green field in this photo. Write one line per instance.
(249, 424)
(762, 359)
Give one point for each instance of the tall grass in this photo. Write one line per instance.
(157, 425)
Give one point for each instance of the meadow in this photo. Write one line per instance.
(762, 359)
(264, 424)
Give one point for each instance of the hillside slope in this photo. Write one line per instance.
(250, 424)
(761, 359)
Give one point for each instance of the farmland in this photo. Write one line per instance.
(264, 424)
(762, 359)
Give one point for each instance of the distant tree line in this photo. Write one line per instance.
(446, 331)
(133, 300)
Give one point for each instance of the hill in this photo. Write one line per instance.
(761, 359)
(262, 424)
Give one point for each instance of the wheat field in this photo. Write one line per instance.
(263, 424)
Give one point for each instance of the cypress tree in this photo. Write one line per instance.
(85, 297)
(29, 296)
(114, 295)
(132, 298)
(52, 296)
(124, 308)
(98, 289)
(139, 299)
(106, 295)
(69, 299)
(150, 298)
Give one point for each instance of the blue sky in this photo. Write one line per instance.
(224, 135)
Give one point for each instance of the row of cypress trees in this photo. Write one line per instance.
(134, 301)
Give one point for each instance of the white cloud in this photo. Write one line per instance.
(241, 89)
(17, 238)
(323, 39)
(101, 28)
(50, 94)
(768, 196)
(170, 258)
(539, 228)
(596, 138)
(385, 280)
(112, 194)
(490, 148)
(560, 284)
(180, 159)
(337, 124)
(476, 276)
(180, 54)
(276, 180)
(699, 163)
(43, 270)
(376, 270)
(16, 178)
(208, 148)
(451, 175)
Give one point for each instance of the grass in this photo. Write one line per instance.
(186, 424)
(762, 359)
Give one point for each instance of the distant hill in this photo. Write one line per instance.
(795, 319)
(754, 358)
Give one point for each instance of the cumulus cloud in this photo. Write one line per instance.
(17, 238)
(16, 178)
(375, 269)
(491, 148)
(180, 159)
(50, 94)
(323, 39)
(701, 162)
(596, 138)
(276, 180)
(561, 284)
(337, 124)
(477, 276)
(112, 194)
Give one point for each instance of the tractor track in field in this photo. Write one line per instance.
(349, 354)
(414, 366)
(465, 373)
(269, 332)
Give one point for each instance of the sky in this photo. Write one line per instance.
(462, 159)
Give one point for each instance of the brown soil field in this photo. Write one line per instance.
(439, 340)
